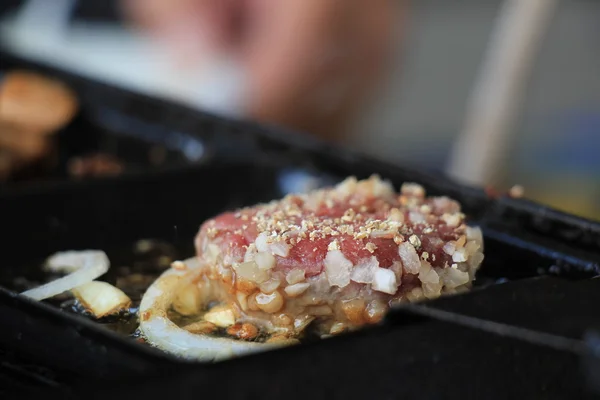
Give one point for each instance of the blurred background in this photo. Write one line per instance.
(419, 110)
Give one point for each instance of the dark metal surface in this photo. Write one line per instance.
(524, 337)
(427, 359)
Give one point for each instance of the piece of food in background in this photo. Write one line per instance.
(36, 102)
(22, 142)
(516, 192)
(32, 109)
(94, 165)
(317, 264)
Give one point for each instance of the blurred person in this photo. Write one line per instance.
(309, 65)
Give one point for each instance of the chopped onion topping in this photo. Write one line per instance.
(264, 260)
(261, 242)
(265, 244)
(460, 255)
(188, 300)
(319, 311)
(251, 272)
(242, 299)
(449, 248)
(374, 187)
(381, 188)
(296, 275)
(212, 253)
(475, 261)
(221, 316)
(365, 271)
(337, 268)
(416, 218)
(337, 328)
(474, 233)
(453, 277)
(375, 311)
(269, 303)
(280, 249)
(410, 258)
(412, 189)
(415, 295)
(347, 187)
(431, 284)
(452, 220)
(384, 281)
(428, 274)
(250, 253)
(300, 323)
(270, 286)
(101, 298)
(297, 289)
(82, 266)
(471, 247)
(396, 215)
(397, 269)
(334, 245)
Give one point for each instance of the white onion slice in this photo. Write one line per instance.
(161, 332)
(82, 266)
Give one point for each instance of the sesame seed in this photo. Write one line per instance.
(211, 232)
(371, 247)
(349, 215)
(361, 235)
(414, 240)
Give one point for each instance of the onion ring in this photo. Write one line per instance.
(162, 333)
(82, 267)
